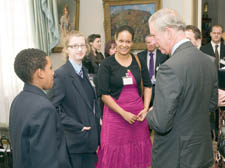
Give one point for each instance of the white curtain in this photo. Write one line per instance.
(15, 35)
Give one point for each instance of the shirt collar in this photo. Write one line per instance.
(154, 52)
(178, 44)
(214, 44)
(76, 66)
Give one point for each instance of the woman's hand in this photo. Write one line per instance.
(129, 117)
(142, 114)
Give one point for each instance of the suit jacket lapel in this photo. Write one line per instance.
(211, 51)
(146, 56)
(86, 75)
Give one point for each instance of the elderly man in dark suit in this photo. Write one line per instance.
(36, 136)
(153, 58)
(186, 90)
(215, 47)
(75, 99)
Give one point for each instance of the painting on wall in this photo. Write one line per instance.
(68, 19)
(134, 13)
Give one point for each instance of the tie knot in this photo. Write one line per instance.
(151, 54)
(81, 73)
(217, 46)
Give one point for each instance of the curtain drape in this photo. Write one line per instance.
(15, 35)
(46, 25)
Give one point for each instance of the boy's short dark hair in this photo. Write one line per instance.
(27, 62)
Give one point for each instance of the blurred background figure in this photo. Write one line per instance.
(153, 59)
(215, 47)
(110, 48)
(193, 34)
(93, 60)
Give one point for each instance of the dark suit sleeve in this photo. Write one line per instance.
(167, 92)
(57, 95)
(214, 97)
(43, 140)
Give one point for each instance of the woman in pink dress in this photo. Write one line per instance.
(125, 140)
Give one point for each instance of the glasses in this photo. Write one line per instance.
(76, 46)
(217, 33)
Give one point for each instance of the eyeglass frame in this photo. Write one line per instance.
(77, 46)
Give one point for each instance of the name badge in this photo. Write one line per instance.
(127, 80)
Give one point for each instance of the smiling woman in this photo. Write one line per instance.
(124, 128)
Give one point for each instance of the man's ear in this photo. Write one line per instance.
(199, 42)
(169, 32)
(211, 34)
(40, 73)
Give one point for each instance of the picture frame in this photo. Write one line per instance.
(69, 23)
(134, 13)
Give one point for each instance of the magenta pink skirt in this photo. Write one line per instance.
(124, 145)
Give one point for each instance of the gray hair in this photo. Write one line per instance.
(167, 18)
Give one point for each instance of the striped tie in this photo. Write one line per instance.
(81, 73)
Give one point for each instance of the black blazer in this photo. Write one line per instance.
(36, 135)
(71, 101)
(160, 58)
(208, 49)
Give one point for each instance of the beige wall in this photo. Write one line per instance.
(92, 18)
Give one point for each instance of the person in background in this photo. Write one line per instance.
(125, 140)
(153, 59)
(93, 60)
(76, 102)
(36, 136)
(194, 35)
(110, 48)
(215, 47)
(186, 90)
